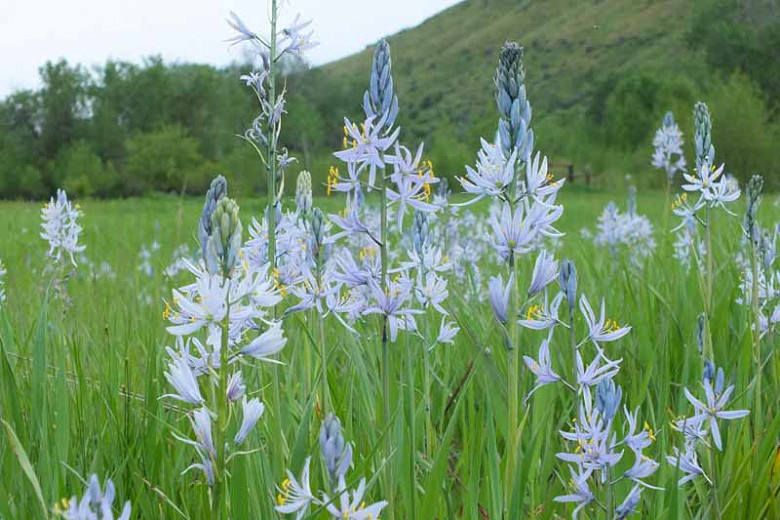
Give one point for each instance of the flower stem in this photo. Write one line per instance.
(272, 143)
(714, 505)
(756, 336)
(323, 355)
(385, 346)
(513, 377)
(219, 505)
(412, 427)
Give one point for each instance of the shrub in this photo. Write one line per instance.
(165, 160)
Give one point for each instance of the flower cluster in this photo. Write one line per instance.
(627, 231)
(667, 143)
(61, 228)
(96, 504)
(597, 449)
(220, 320)
(296, 496)
(703, 428)
(375, 160)
(713, 187)
(760, 281)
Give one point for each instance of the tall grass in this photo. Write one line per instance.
(80, 391)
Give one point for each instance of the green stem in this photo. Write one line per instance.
(307, 362)
(609, 499)
(412, 427)
(323, 353)
(271, 208)
(219, 506)
(429, 433)
(756, 338)
(708, 347)
(272, 143)
(714, 505)
(513, 376)
(385, 346)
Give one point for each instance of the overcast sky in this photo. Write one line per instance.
(91, 31)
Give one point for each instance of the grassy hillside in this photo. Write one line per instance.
(600, 75)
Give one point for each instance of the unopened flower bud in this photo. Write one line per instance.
(567, 279)
(700, 332)
(420, 232)
(514, 126)
(216, 191)
(335, 452)
(303, 197)
(750, 223)
(225, 240)
(608, 398)
(631, 203)
(702, 139)
(379, 101)
(317, 233)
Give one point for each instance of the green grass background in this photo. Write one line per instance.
(81, 390)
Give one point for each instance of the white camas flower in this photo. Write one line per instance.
(603, 329)
(447, 331)
(183, 379)
(61, 228)
(687, 462)
(511, 232)
(580, 491)
(542, 367)
(432, 291)
(366, 146)
(393, 303)
(295, 496)
(537, 180)
(251, 411)
(493, 173)
(95, 504)
(713, 410)
(544, 316)
(668, 153)
(545, 272)
(354, 508)
(713, 187)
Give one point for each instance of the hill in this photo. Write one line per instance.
(600, 74)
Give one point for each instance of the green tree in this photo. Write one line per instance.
(163, 160)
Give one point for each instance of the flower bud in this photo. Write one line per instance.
(216, 191)
(567, 279)
(379, 100)
(335, 452)
(225, 240)
(303, 197)
(700, 332)
(420, 232)
(631, 203)
(514, 126)
(608, 398)
(702, 139)
(750, 223)
(317, 233)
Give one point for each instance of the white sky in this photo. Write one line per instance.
(90, 31)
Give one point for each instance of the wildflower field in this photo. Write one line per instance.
(502, 345)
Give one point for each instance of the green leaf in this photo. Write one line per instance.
(24, 462)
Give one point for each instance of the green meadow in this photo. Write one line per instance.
(80, 386)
